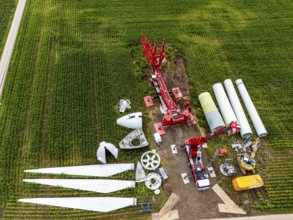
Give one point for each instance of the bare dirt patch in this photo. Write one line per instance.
(178, 77)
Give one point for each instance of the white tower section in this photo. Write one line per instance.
(245, 129)
(224, 104)
(259, 127)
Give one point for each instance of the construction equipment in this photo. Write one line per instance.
(227, 169)
(246, 160)
(219, 152)
(193, 148)
(172, 113)
(246, 143)
(247, 164)
(145, 207)
(123, 105)
(158, 139)
(163, 173)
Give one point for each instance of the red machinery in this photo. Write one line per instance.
(172, 114)
(193, 148)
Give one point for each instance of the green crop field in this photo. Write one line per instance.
(7, 8)
(73, 61)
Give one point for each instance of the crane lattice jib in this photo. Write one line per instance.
(149, 52)
(164, 92)
(151, 55)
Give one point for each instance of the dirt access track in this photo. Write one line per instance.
(192, 203)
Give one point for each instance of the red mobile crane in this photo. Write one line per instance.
(172, 114)
(193, 148)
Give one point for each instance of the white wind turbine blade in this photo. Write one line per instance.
(97, 204)
(100, 185)
(99, 170)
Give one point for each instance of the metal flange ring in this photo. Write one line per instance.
(150, 160)
(153, 181)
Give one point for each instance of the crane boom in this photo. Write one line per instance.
(173, 114)
(196, 142)
(155, 61)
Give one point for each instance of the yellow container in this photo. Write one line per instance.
(247, 182)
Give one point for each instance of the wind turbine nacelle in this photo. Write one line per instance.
(133, 120)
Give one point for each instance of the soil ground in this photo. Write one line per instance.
(192, 204)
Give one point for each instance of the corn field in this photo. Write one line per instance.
(73, 61)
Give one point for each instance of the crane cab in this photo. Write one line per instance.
(202, 185)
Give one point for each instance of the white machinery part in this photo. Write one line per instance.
(123, 105)
(237, 146)
(227, 169)
(211, 112)
(100, 170)
(93, 185)
(164, 61)
(153, 181)
(246, 145)
(97, 204)
(245, 129)
(101, 152)
(185, 178)
(224, 104)
(158, 138)
(211, 171)
(133, 120)
(174, 149)
(157, 191)
(150, 160)
(128, 142)
(140, 175)
(257, 122)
